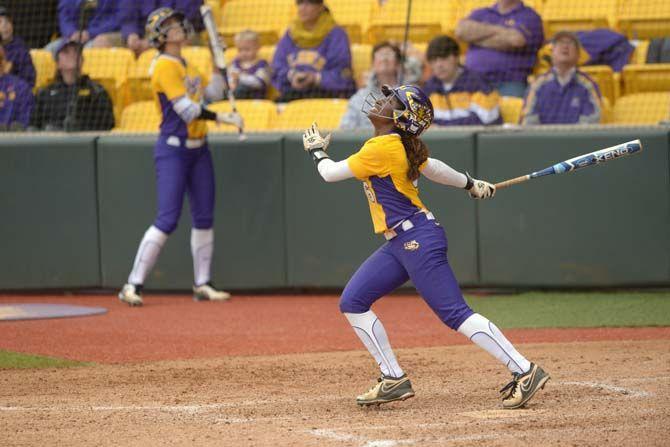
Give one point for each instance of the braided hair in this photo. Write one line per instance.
(417, 153)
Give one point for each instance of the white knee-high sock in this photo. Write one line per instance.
(487, 336)
(147, 254)
(202, 247)
(373, 335)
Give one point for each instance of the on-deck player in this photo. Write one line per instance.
(182, 159)
(390, 164)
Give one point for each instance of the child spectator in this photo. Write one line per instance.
(248, 75)
(16, 100)
(16, 52)
(459, 95)
(563, 95)
(313, 60)
(504, 40)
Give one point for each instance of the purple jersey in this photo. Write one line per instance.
(105, 17)
(549, 102)
(133, 14)
(507, 66)
(470, 100)
(18, 54)
(606, 47)
(331, 58)
(253, 77)
(16, 101)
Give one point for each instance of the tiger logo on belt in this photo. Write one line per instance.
(411, 245)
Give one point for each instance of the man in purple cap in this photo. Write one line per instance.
(504, 40)
(16, 52)
(563, 95)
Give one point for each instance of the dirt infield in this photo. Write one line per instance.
(267, 371)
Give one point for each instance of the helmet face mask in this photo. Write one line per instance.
(157, 26)
(416, 114)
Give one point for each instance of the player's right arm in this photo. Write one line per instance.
(440, 172)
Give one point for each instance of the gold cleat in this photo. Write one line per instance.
(523, 386)
(387, 389)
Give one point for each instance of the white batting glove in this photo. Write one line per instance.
(232, 118)
(479, 189)
(313, 141)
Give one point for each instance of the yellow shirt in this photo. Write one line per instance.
(171, 79)
(382, 166)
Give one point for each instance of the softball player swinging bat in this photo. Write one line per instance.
(389, 165)
(182, 159)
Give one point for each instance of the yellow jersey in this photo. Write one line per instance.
(382, 166)
(171, 79)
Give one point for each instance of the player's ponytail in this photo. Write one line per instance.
(417, 154)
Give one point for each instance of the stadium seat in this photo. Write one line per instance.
(139, 83)
(45, 67)
(640, 54)
(300, 114)
(201, 58)
(267, 17)
(353, 15)
(603, 75)
(258, 114)
(646, 78)
(111, 68)
(642, 108)
(142, 116)
(606, 114)
(510, 109)
(644, 19)
(361, 54)
(578, 15)
(388, 23)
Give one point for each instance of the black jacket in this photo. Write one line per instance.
(93, 109)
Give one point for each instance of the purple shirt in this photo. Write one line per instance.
(501, 66)
(104, 19)
(331, 58)
(18, 54)
(606, 47)
(549, 102)
(16, 100)
(253, 78)
(133, 13)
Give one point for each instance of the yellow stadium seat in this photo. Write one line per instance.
(139, 83)
(510, 109)
(642, 108)
(258, 114)
(388, 23)
(353, 15)
(142, 116)
(644, 19)
(267, 17)
(606, 113)
(640, 54)
(300, 114)
(201, 58)
(646, 78)
(45, 67)
(578, 15)
(603, 75)
(361, 61)
(111, 68)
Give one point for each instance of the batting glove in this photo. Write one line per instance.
(232, 118)
(479, 189)
(315, 144)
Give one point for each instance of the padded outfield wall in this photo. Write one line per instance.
(74, 209)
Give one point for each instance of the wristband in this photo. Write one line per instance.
(318, 155)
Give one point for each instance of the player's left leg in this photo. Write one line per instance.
(201, 193)
(430, 271)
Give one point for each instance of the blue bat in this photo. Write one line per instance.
(582, 161)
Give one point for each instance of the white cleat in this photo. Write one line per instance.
(207, 292)
(131, 294)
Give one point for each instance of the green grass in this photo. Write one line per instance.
(15, 360)
(539, 309)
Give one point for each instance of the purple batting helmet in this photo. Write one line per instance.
(417, 114)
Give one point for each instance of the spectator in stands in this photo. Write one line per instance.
(133, 16)
(16, 52)
(101, 23)
(459, 95)
(597, 47)
(504, 40)
(16, 99)
(563, 95)
(73, 102)
(312, 60)
(386, 69)
(248, 75)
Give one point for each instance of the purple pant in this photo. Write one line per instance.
(419, 254)
(179, 171)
